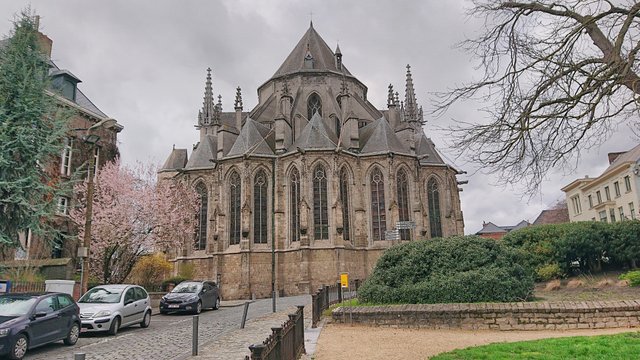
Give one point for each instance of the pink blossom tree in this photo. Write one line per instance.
(133, 215)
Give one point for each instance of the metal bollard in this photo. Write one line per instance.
(194, 337)
(79, 356)
(244, 314)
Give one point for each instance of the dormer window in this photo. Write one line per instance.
(65, 83)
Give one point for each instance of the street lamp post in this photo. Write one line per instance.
(90, 139)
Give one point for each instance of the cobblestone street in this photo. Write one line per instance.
(169, 336)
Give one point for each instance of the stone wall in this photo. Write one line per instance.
(497, 316)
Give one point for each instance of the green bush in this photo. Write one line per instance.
(632, 276)
(456, 269)
(549, 272)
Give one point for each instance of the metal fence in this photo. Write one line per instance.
(284, 343)
(329, 295)
(27, 286)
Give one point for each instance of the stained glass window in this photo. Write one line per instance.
(402, 182)
(344, 201)
(294, 205)
(320, 212)
(314, 105)
(201, 231)
(234, 209)
(433, 198)
(378, 211)
(260, 208)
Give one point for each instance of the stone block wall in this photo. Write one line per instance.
(497, 316)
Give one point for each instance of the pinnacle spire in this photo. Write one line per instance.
(410, 103)
(206, 116)
(390, 99)
(238, 103)
(396, 99)
(338, 49)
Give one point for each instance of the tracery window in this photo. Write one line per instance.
(344, 201)
(294, 205)
(433, 199)
(320, 212)
(314, 105)
(260, 208)
(378, 211)
(201, 230)
(402, 182)
(234, 209)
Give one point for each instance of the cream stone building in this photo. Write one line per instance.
(314, 170)
(612, 196)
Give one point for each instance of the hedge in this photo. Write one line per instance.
(445, 270)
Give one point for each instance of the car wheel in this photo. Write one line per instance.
(217, 304)
(198, 309)
(146, 320)
(74, 333)
(19, 347)
(115, 326)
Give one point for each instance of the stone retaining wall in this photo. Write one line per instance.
(497, 316)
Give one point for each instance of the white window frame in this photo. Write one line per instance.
(632, 211)
(65, 157)
(575, 201)
(63, 206)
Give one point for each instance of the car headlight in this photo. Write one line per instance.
(102, 313)
(4, 332)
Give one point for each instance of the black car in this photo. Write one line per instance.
(34, 319)
(191, 296)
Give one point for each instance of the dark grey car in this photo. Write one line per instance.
(191, 296)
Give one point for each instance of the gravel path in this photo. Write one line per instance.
(346, 342)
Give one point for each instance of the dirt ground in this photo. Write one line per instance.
(346, 342)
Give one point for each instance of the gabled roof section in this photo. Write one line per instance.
(203, 153)
(316, 135)
(312, 43)
(490, 228)
(632, 155)
(426, 149)
(553, 216)
(379, 137)
(254, 138)
(176, 160)
(81, 98)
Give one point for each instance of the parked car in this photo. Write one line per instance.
(191, 296)
(111, 307)
(29, 320)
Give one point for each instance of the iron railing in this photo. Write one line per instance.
(284, 343)
(27, 286)
(329, 295)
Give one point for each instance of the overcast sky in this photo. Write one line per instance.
(144, 64)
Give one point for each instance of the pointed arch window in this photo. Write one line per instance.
(320, 212)
(378, 211)
(402, 182)
(433, 198)
(314, 105)
(260, 208)
(294, 205)
(344, 201)
(234, 209)
(201, 231)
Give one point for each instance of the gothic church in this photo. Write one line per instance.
(314, 169)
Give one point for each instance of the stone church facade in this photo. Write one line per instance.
(315, 170)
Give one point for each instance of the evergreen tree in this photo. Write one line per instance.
(32, 130)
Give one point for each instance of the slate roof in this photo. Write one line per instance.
(316, 135)
(379, 137)
(204, 152)
(176, 160)
(323, 57)
(632, 155)
(491, 228)
(254, 138)
(426, 147)
(552, 216)
(81, 99)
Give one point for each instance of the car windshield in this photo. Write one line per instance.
(15, 305)
(187, 288)
(101, 295)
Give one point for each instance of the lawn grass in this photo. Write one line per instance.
(620, 346)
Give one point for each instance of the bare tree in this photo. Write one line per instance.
(558, 77)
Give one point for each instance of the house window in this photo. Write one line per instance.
(57, 246)
(433, 199)
(63, 206)
(344, 201)
(627, 183)
(599, 196)
(234, 209)
(201, 230)
(621, 211)
(612, 213)
(260, 208)
(65, 163)
(402, 182)
(590, 201)
(294, 205)
(607, 193)
(320, 213)
(378, 210)
(575, 202)
(314, 105)
(603, 215)
(616, 188)
(632, 211)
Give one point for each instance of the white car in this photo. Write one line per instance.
(111, 307)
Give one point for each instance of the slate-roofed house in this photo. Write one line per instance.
(493, 231)
(345, 172)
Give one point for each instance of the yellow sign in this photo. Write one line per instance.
(344, 280)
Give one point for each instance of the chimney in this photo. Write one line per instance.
(613, 156)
